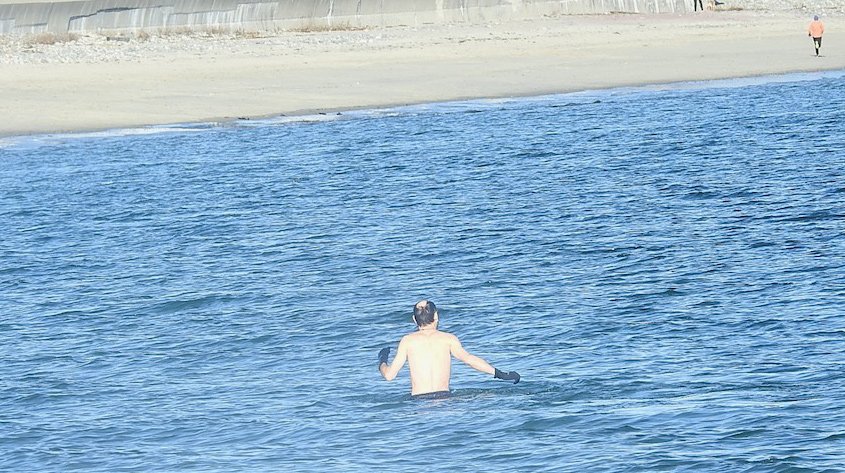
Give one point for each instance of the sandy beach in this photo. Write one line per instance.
(93, 83)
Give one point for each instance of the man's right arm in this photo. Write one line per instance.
(474, 361)
(478, 363)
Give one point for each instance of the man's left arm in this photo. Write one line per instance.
(390, 371)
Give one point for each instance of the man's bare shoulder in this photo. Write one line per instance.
(445, 336)
(452, 338)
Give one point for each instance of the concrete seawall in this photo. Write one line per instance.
(113, 16)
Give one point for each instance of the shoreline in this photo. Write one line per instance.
(183, 80)
(304, 115)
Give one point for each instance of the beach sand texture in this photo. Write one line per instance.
(92, 83)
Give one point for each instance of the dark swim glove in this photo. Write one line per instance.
(382, 355)
(510, 375)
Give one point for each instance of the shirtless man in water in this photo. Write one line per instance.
(429, 354)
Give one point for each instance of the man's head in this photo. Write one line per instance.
(816, 17)
(425, 313)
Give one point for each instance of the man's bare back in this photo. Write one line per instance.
(429, 353)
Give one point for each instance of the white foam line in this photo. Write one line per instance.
(58, 138)
(285, 119)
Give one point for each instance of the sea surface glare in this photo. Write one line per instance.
(664, 266)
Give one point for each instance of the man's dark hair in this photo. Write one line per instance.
(424, 313)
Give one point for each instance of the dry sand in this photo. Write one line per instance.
(93, 84)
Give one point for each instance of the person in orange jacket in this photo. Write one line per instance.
(815, 31)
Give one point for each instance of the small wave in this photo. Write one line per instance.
(181, 305)
(548, 423)
(293, 119)
(812, 217)
(701, 195)
(51, 139)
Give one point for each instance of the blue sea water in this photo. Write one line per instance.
(664, 266)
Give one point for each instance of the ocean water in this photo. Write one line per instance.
(664, 266)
